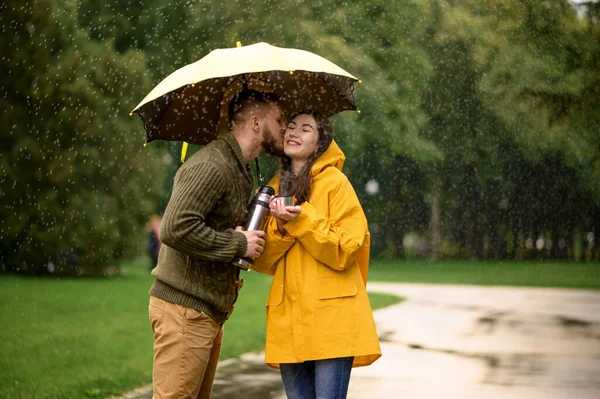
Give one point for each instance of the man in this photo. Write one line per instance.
(196, 283)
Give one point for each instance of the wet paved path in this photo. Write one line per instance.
(462, 342)
(485, 342)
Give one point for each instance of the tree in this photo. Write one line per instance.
(543, 81)
(76, 185)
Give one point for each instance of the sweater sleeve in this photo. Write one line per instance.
(335, 240)
(196, 191)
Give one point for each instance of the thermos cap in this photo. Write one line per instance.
(264, 195)
(267, 190)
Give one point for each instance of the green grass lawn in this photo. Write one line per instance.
(90, 337)
(538, 274)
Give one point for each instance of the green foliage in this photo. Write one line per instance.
(472, 112)
(543, 61)
(76, 184)
(506, 105)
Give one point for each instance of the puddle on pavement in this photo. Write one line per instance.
(488, 323)
(571, 322)
(386, 336)
(514, 369)
(470, 308)
(573, 328)
(242, 380)
(577, 328)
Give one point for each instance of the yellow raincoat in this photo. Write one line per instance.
(318, 306)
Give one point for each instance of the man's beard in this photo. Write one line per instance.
(270, 146)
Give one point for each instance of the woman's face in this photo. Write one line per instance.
(301, 137)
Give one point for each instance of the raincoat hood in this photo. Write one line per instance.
(333, 156)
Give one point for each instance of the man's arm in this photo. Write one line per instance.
(196, 191)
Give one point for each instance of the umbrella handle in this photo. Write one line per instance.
(184, 148)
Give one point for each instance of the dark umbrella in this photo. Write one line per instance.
(191, 103)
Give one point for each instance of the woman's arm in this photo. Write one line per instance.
(275, 247)
(335, 240)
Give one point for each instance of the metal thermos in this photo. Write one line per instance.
(258, 215)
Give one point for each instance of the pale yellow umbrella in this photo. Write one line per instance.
(190, 104)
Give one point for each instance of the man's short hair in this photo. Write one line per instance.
(246, 98)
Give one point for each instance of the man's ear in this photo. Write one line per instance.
(254, 123)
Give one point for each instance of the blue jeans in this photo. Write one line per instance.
(317, 379)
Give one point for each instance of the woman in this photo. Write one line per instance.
(319, 321)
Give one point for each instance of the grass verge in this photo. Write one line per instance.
(90, 337)
(514, 273)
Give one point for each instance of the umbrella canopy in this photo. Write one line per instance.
(191, 103)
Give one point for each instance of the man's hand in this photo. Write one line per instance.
(256, 242)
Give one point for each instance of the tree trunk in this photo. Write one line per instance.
(448, 232)
(478, 249)
(399, 232)
(554, 250)
(497, 243)
(519, 248)
(435, 217)
(596, 232)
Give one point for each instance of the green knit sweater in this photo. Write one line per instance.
(210, 198)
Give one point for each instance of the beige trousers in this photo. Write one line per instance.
(187, 344)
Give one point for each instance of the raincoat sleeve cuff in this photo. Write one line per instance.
(242, 243)
(302, 224)
(273, 233)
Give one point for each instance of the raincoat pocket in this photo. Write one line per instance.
(334, 287)
(275, 295)
(334, 299)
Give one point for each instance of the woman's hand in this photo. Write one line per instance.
(283, 214)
